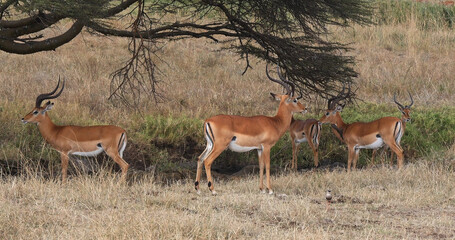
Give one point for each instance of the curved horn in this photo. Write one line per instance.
(412, 101)
(45, 96)
(286, 81)
(276, 80)
(395, 100)
(332, 101)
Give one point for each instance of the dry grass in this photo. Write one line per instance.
(414, 203)
(200, 82)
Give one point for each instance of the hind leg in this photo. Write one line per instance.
(295, 150)
(208, 164)
(119, 160)
(396, 148)
(314, 147)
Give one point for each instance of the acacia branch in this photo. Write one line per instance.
(11, 46)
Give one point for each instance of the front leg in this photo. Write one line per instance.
(261, 170)
(266, 159)
(64, 159)
(351, 155)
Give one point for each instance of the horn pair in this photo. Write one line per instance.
(50, 95)
(341, 96)
(401, 106)
(283, 81)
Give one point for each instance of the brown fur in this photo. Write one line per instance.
(69, 139)
(300, 129)
(257, 131)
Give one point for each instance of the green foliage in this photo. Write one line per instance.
(425, 14)
(172, 130)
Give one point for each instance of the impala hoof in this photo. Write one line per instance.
(270, 191)
(214, 193)
(198, 192)
(263, 191)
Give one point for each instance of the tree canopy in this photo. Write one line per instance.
(291, 33)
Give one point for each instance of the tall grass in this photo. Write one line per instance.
(427, 15)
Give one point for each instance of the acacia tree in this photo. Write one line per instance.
(291, 33)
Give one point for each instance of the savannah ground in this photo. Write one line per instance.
(159, 200)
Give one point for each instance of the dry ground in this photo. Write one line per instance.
(417, 202)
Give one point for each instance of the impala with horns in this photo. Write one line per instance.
(405, 117)
(243, 134)
(369, 135)
(76, 140)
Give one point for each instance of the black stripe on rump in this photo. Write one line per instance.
(395, 129)
(120, 141)
(213, 136)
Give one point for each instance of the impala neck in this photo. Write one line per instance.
(283, 118)
(48, 129)
(339, 122)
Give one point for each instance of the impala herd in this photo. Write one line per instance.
(238, 133)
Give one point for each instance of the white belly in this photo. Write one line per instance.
(237, 148)
(88, 154)
(376, 144)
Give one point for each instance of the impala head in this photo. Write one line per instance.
(334, 107)
(39, 112)
(288, 99)
(405, 110)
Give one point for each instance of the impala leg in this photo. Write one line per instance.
(315, 152)
(356, 157)
(351, 155)
(208, 164)
(198, 174)
(119, 160)
(396, 148)
(266, 158)
(64, 158)
(295, 150)
(261, 170)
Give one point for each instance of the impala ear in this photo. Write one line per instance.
(275, 96)
(48, 107)
(339, 108)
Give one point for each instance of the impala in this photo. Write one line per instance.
(304, 131)
(405, 117)
(358, 135)
(242, 134)
(76, 140)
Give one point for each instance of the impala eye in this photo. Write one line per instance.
(35, 112)
(327, 113)
(295, 101)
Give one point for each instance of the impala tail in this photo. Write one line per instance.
(315, 131)
(398, 132)
(208, 133)
(122, 144)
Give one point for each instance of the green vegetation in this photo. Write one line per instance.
(163, 140)
(427, 15)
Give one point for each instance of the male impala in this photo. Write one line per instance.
(243, 134)
(304, 131)
(405, 117)
(76, 140)
(358, 135)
